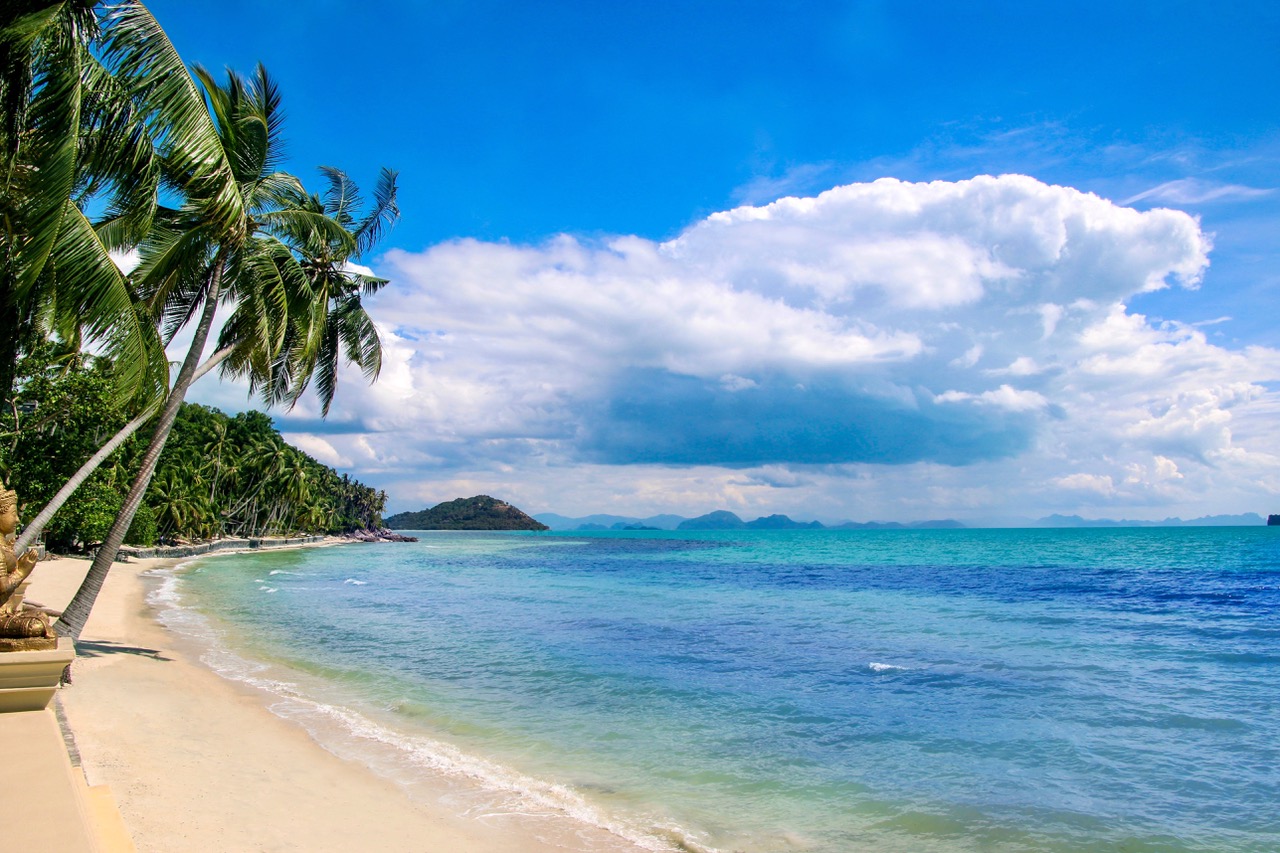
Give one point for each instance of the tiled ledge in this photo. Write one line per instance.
(47, 802)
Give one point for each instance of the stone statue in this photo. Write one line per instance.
(20, 629)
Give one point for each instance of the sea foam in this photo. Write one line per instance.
(884, 667)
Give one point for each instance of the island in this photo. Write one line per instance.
(476, 513)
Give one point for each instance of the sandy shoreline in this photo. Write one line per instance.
(197, 762)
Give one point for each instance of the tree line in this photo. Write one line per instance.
(219, 475)
(111, 145)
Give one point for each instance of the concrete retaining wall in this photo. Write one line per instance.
(216, 545)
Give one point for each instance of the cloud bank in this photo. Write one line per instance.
(884, 349)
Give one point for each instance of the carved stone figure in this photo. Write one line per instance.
(19, 628)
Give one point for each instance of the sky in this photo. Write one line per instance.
(844, 261)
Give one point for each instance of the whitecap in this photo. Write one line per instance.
(884, 667)
(267, 589)
(355, 582)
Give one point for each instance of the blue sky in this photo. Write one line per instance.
(596, 308)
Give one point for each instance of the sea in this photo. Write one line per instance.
(779, 691)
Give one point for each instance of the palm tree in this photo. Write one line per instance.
(71, 131)
(316, 519)
(171, 499)
(95, 102)
(37, 524)
(196, 256)
(330, 318)
(214, 448)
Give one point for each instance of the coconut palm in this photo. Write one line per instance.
(171, 498)
(197, 256)
(330, 319)
(71, 131)
(97, 104)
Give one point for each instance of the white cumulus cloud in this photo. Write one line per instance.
(885, 343)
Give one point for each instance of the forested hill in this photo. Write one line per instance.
(223, 475)
(478, 513)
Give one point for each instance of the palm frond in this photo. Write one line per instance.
(21, 25)
(53, 117)
(309, 231)
(341, 197)
(118, 153)
(384, 215)
(90, 288)
(266, 94)
(171, 260)
(360, 337)
(136, 47)
(278, 190)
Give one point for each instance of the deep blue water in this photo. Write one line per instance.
(812, 690)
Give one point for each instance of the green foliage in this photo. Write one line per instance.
(235, 476)
(98, 113)
(218, 475)
(65, 408)
(143, 529)
(74, 134)
(86, 517)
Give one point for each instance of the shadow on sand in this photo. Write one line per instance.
(96, 649)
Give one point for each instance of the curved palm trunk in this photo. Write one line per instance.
(37, 524)
(76, 615)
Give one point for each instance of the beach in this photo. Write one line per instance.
(934, 691)
(197, 762)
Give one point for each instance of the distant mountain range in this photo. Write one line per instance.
(725, 520)
(1248, 519)
(720, 520)
(485, 513)
(608, 522)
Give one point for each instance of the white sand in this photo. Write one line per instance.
(198, 763)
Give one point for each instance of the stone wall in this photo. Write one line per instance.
(215, 545)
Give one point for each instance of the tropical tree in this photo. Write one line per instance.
(96, 111)
(215, 448)
(330, 318)
(106, 86)
(104, 452)
(172, 502)
(196, 257)
(72, 133)
(189, 252)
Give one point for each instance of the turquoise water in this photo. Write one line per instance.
(993, 690)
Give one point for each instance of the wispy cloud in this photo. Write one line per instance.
(803, 179)
(1197, 191)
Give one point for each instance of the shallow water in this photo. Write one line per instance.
(823, 691)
